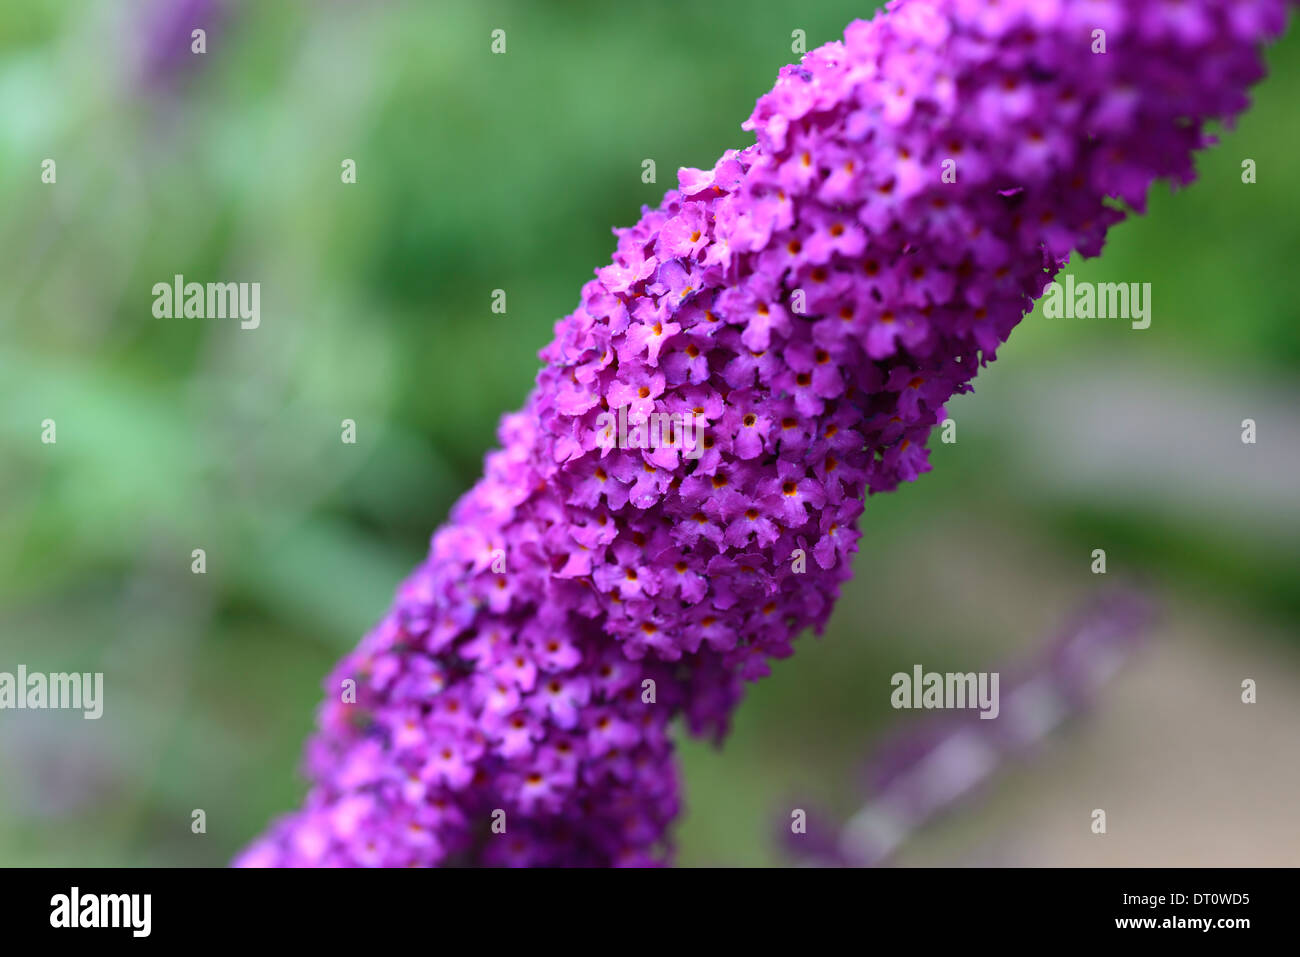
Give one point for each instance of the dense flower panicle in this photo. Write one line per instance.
(817, 297)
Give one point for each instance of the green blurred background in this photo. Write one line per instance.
(478, 172)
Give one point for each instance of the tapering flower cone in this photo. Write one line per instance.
(816, 298)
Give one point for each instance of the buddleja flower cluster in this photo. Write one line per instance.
(817, 298)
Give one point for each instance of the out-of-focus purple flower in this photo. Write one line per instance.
(928, 768)
(817, 298)
(166, 38)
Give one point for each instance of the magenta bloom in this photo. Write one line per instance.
(816, 299)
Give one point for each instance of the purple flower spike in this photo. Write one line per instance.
(814, 300)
